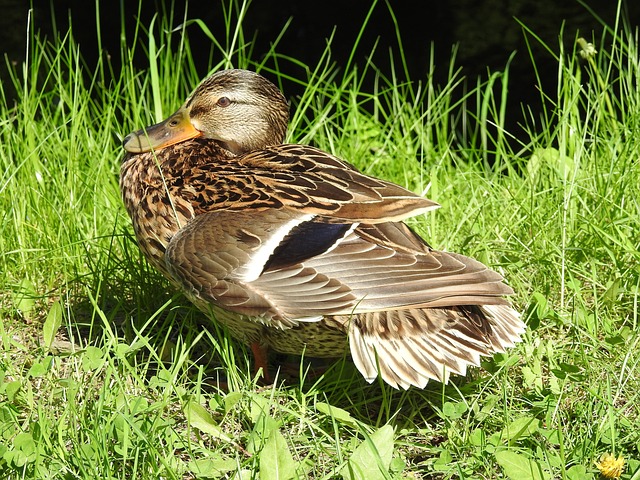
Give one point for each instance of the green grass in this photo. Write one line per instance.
(106, 372)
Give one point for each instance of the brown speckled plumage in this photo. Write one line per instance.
(293, 249)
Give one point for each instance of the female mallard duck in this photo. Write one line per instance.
(293, 249)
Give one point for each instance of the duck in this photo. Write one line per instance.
(294, 250)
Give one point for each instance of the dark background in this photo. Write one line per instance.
(486, 32)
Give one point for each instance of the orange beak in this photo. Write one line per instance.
(175, 129)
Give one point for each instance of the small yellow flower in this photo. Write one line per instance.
(610, 466)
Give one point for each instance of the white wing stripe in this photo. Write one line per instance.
(254, 267)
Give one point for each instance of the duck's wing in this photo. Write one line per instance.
(421, 314)
(292, 176)
(286, 268)
(411, 346)
(411, 313)
(236, 261)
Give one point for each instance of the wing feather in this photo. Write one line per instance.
(432, 342)
(290, 176)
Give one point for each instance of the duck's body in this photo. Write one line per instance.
(294, 250)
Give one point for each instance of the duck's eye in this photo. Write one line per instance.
(223, 102)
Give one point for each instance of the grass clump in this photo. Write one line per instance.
(106, 372)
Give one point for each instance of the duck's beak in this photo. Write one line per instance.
(175, 129)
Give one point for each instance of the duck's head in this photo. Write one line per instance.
(241, 109)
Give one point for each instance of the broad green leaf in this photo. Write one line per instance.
(579, 472)
(231, 400)
(477, 437)
(371, 459)
(138, 405)
(199, 418)
(16, 457)
(552, 435)
(454, 410)
(258, 406)
(397, 465)
(11, 389)
(265, 424)
(52, 324)
(37, 370)
(276, 462)
(88, 450)
(92, 358)
(445, 458)
(25, 442)
(214, 466)
(24, 298)
(521, 427)
(519, 467)
(24, 450)
(487, 407)
(340, 415)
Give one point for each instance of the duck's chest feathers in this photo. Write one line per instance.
(151, 191)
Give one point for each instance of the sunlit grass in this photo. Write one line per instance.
(106, 372)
